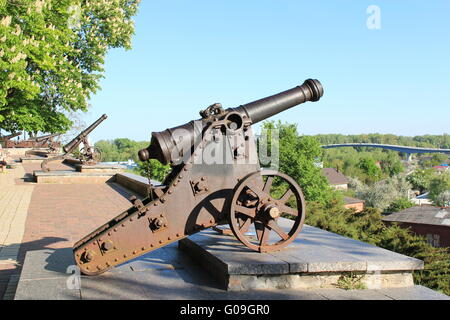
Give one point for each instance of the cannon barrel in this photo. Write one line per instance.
(170, 143)
(259, 110)
(78, 139)
(48, 136)
(10, 136)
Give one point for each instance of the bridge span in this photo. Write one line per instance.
(408, 150)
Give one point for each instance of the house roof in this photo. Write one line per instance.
(421, 215)
(350, 200)
(334, 177)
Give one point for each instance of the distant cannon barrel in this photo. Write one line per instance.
(10, 136)
(168, 145)
(78, 139)
(48, 136)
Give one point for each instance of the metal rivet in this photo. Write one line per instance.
(124, 255)
(160, 241)
(143, 248)
(115, 230)
(131, 219)
(168, 238)
(134, 252)
(178, 234)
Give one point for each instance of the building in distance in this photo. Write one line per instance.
(336, 179)
(429, 221)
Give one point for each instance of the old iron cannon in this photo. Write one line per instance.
(199, 193)
(45, 141)
(6, 140)
(87, 155)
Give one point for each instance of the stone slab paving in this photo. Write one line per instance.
(56, 216)
(14, 202)
(166, 273)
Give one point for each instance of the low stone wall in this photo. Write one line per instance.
(133, 182)
(72, 177)
(16, 152)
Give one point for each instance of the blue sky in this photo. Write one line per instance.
(189, 54)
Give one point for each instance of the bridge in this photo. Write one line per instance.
(408, 150)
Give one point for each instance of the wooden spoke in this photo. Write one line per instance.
(286, 196)
(264, 237)
(247, 211)
(259, 227)
(268, 184)
(275, 227)
(244, 227)
(253, 187)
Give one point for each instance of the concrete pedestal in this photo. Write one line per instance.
(316, 259)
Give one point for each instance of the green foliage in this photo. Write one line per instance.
(154, 169)
(123, 149)
(391, 165)
(383, 193)
(367, 226)
(443, 199)
(370, 168)
(362, 163)
(52, 55)
(399, 205)
(297, 156)
(439, 184)
(351, 282)
(420, 179)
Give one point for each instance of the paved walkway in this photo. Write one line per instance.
(35, 217)
(14, 202)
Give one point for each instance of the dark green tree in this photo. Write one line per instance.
(297, 158)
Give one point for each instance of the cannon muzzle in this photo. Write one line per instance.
(259, 110)
(168, 145)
